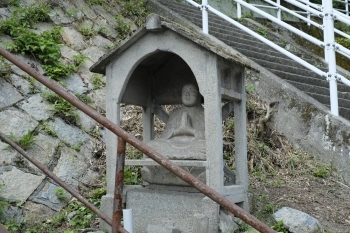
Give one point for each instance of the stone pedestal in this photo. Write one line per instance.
(171, 210)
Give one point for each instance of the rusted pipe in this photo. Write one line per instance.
(118, 189)
(122, 230)
(56, 179)
(187, 177)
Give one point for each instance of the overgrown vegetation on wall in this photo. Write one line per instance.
(45, 48)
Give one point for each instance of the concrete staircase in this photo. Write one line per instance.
(282, 66)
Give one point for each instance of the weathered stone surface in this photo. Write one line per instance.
(106, 15)
(84, 71)
(48, 197)
(155, 229)
(76, 85)
(73, 38)
(5, 169)
(81, 4)
(102, 42)
(86, 122)
(200, 223)
(160, 175)
(93, 53)
(4, 39)
(31, 62)
(42, 27)
(70, 134)
(99, 97)
(12, 213)
(67, 52)
(15, 122)
(37, 212)
(37, 107)
(58, 16)
(8, 94)
(6, 154)
(22, 85)
(91, 177)
(43, 149)
(71, 167)
(226, 222)
(173, 210)
(5, 13)
(105, 28)
(297, 221)
(19, 185)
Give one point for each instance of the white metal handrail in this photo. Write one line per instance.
(326, 12)
(306, 36)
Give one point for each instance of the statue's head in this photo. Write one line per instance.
(190, 95)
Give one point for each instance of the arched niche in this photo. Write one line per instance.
(158, 79)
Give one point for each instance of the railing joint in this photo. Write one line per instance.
(203, 7)
(331, 77)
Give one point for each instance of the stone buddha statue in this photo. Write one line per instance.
(184, 134)
(182, 139)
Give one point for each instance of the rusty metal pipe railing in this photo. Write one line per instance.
(118, 188)
(47, 172)
(162, 160)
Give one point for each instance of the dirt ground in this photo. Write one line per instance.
(324, 198)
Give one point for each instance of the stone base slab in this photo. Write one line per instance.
(170, 210)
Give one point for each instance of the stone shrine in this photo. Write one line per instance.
(167, 63)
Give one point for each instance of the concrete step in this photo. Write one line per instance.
(319, 81)
(292, 69)
(343, 98)
(344, 112)
(284, 67)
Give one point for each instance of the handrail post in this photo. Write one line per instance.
(308, 14)
(118, 189)
(239, 11)
(205, 23)
(328, 22)
(347, 7)
(279, 11)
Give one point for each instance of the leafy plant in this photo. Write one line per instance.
(344, 42)
(269, 208)
(123, 28)
(320, 172)
(84, 98)
(3, 203)
(61, 194)
(87, 31)
(13, 226)
(97, 81)
(279, 227)
(132, 175)
(62, 107)
(28, 16)
(26, 141)
(47, 129)
(4, 70)
(45, 47)
(96, 2)
(76, 147)
(137, 9)
(262, 31)
(249, 88)
(83, 215)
